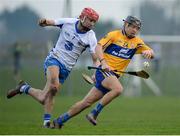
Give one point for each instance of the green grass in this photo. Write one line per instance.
(143, 115)
(148, 115)
(35, 77)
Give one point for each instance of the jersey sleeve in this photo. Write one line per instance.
(92, 43)
(60, 22)
(141, 46)
(108, 39)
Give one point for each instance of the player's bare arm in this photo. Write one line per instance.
(96, 63)
(99, 53)
(95, 60)
(46, 22)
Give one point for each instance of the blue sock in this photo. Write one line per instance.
(46, 118)
(97, 109)
(25, 88)
(63, 118)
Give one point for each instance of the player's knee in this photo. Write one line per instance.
(118, 90)
(54, 89)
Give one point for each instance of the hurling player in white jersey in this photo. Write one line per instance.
(75, 36)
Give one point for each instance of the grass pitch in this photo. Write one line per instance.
(147, 115)
(144, 115)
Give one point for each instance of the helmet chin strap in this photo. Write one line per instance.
(84, 27)
(83, 19)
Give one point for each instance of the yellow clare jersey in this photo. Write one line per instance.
(119, 50)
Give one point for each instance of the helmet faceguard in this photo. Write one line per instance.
(131, 21)
(134, 21)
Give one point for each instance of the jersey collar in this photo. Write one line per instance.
(77, 30)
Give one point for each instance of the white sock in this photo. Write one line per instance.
(45, 122)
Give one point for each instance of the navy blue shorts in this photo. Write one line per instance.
(63, 72)
(100, 76)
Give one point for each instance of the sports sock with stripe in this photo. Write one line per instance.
(63, 118)
(47, 118)
(25, 88)
(97, 109)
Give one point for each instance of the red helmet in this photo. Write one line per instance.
(90, 13)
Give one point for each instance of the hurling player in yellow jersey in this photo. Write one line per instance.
(114, 51)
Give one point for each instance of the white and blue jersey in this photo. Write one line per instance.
(71, 43)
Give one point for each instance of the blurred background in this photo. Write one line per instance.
(24, 45)
(146, 106)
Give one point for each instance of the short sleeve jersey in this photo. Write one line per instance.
(71, 42)
(119, 50)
